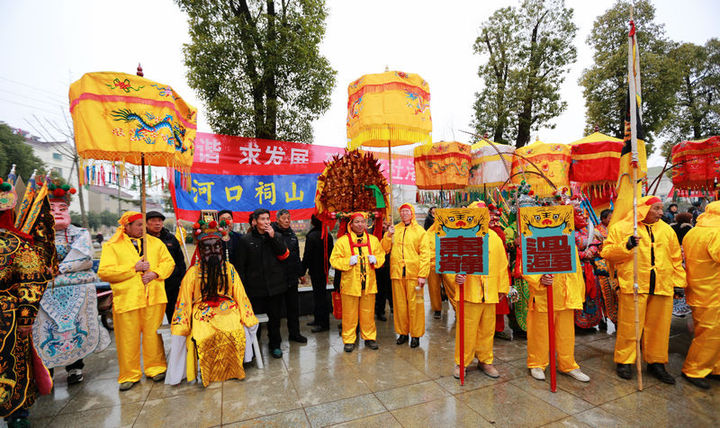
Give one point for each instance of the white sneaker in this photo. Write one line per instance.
(578, 375)
(537, 373)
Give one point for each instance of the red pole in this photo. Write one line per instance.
(461, 326)
(551, 336)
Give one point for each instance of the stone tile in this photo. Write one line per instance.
(106, 393)
(380, 373)
(689, 396)
(323, 358)
(603, 387)
(475, 379)
(606, 365)
(595, 417)
(293, 418)
(249, 399)
(202, 408)
(604, 343)
(161, 390)
(651, 410)
(410, 395)
(385, 420)
(42, 422)
(563, 400)
(52, 404)
(583, 352)
(509, 351)
(508, 405)
(446, 412)
(116, 416)
(322, 386)
(343, 410)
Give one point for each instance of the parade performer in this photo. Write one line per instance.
(503, 306)
(604, 275)
(702, 258)
(137, 280)
(357, 254)
(23, 279)
(405, 240)
(67, 328)
(659, 271)
(212, 311)
(588, 246)
(481, 295)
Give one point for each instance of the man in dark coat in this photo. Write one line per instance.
(262, 273)
(233, 245)
(154, 223)
(293, 272)
(315, 261)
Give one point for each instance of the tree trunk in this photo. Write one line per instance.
(269, 76)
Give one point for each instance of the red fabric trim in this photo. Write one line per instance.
(408, 206)
(133, 218)
(137, 100)
(653, 200)
(284, 255)
(7, 221)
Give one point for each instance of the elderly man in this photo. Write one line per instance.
(156, 228)
(293, 273)
(137, 276)
(702, 255)
(660, 270)
(405, 240)
(357, 254)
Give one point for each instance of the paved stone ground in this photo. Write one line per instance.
(317, 384)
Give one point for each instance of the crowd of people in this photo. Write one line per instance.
(212, 305)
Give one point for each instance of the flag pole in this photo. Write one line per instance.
(634, 165)
(461, 331)
(551, 337)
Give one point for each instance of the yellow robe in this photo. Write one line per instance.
(702, 258)
(217, 329)
(429, 263)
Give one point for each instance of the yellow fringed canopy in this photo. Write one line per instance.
(553, 160)
(489, 169)
(443, 165)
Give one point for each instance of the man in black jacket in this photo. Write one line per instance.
(262, 273)
(233, 245)
(154, 223)
(293, 272)
(315, 261)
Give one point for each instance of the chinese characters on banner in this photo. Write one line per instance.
(461, 241)
(243, 174)
(548, 239)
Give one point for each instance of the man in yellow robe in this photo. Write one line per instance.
(659, 271)
(137, 280)
(447, 280)
(213, 310)
(702, 258)
(405, 239)
(357, 254)
(481, 295)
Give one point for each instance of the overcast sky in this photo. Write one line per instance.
(47, 44)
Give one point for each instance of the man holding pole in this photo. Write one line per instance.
(659, 270)
(156, 228)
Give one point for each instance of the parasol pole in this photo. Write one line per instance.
(390, 177)
(634, 166)
(551, 337)
(142, 203)
(461, 331)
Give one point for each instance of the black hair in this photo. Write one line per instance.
(672, 205)
(282, 212)
(221, 212)
(605, 213)
(213, 276)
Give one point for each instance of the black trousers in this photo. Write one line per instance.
(384, 287)
(321, 300)
(172, 295)
(292, 309)
(272, 307)
(79, 364)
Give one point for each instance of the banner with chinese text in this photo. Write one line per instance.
(461, 241)
(548, 239)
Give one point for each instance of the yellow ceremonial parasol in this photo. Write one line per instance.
(388, 109)
(126, 118)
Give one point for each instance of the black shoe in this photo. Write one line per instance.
(658, 370)
(18, 422)
(159, 377)
(276, 353)
(380, 317)
(713, 377)
(75, 376)
(371, 344)
(700, 382)
(299, 338)
(415, 342)
(349, 347)
(313, 323)
(624, 371)
(320, 328)
(519, 334)
(401, 339)
(437, 315)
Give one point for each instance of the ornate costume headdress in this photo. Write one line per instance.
(208, 226)
(61, 192)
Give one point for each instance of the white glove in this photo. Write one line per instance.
(372, 259)
(353, 260)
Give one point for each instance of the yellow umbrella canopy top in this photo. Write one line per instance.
(118, 117)
(388, 109)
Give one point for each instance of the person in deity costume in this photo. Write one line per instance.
(702, 258)
(660, 271)
(23, 279)
(137, 279)
(607, 284)
(503, 306)
(212, 314)
(588, 246)
(67, 327)
(405, 240)
(357, 254)
(482, 294)
(156, 228)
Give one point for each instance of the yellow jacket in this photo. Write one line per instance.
(352, 276)
(117, 266)
(408, 251)
(485, 288)
(702, 259)
(568, 290)
(663, 245)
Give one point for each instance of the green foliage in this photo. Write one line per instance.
(529, 51)
(13, 150)
(257, 65)
(605, 82)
